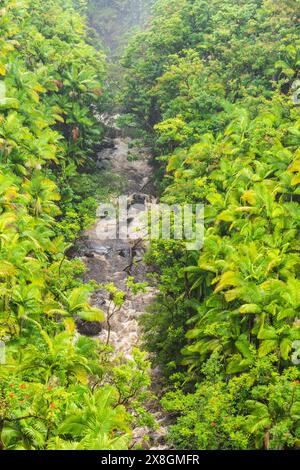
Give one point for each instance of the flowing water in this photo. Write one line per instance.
(114, 260)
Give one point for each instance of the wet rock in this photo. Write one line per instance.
(103, 216)
(98, 299)
(105, 154)
(138, 198)
(145, 182)
(101, 250)
(88, 328)
(79, 249)
(108, 143)
(124, 252)
(159, 437)
(89, 255)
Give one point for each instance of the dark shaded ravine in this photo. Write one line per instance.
(112, 261)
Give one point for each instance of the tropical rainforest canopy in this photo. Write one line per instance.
(209, 86)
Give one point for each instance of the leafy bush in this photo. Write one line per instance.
(57, 390)
(211, 83)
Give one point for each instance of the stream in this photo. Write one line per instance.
(113, 261)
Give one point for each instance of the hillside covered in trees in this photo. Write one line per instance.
(210, 87)
(210, 82)
(57, 390)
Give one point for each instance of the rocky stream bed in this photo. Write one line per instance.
(113, 261)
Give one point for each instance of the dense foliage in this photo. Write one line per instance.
(211, 83)
(57, 390)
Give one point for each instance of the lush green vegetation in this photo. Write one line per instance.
(57, 390)
(211, 84)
